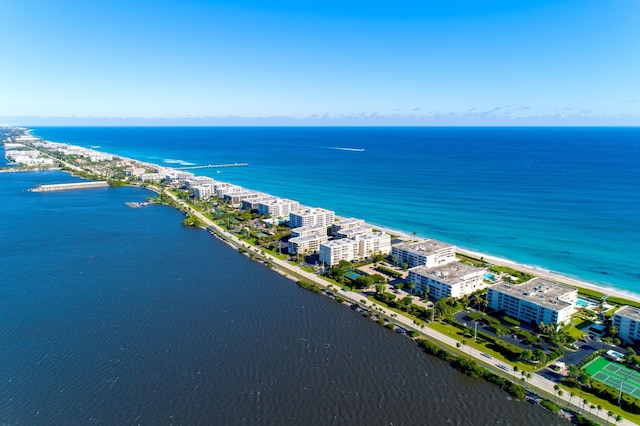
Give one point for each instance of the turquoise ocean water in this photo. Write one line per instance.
(563, 199)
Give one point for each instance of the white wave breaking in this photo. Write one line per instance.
(181, 162)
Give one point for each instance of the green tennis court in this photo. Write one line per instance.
(613, 373)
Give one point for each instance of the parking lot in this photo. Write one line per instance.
(584, 349)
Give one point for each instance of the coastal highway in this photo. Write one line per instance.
(544, 386)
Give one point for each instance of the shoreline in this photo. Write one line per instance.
(539, 271)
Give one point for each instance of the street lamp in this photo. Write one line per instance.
(621, 383)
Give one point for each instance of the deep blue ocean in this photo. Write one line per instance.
(562, 199)
(111, 315)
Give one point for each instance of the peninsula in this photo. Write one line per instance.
(535, 333)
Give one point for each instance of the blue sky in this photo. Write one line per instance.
(330, 62)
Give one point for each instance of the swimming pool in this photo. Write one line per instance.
(585, 303)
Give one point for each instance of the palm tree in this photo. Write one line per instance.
(618, 418)
(556, 388)
(599, 407)
(571, 395)
(609, 414)
(515, 370)
(411, 286)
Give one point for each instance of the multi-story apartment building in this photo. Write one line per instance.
(223, 189)
(332, 252)
(354, 232)
(373, 243)
(427, 253)
(253, 203)
(311, 217)
(345, 224)
(307, 244)
(203, 192)
(453, 279)
(278, 208)
(236, 198)
(303, 231)
(537, 301)
(627, 321)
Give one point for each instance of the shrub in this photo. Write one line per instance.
(511, 321)
(583, 421)
(475, 316)
(308, 286)
(550, 405)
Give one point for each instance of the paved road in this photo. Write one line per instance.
(537, 380)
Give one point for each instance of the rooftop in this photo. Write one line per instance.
(449, 273)
(425, 247)
(357, 230)
(629, 312)
(313, 237)
(348, 221)
(311, 211)
(319, 228)
(340, 242)
(540, 291)
(371, 236)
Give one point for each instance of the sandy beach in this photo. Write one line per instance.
(537, 271)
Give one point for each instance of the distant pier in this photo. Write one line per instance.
(69, 186)
(212, 166)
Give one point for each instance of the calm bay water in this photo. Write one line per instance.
(111, 315)
(564, 199)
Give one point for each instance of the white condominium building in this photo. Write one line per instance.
(427, 253)
(236, 198)
(278, 208)
(307, 244)
(311, 217)
(345, 224)
(332, 252)
(199, 180)
(151, 177)
(453, 279)
(538, 300)
(303, 231)
(176, 177)
(373, 243)
(627, 321)
(252, 203)
(354, 232)
(223, 189)
(202, 192)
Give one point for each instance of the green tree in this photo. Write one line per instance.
(442, 309)
(629, 356)
(398, 286)
(411, 285)
(427, 289)
(379, 288)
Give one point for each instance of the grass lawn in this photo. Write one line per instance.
(574, 329)
(276, 254)
(606, 405)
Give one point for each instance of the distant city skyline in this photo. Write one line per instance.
(439, 63)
